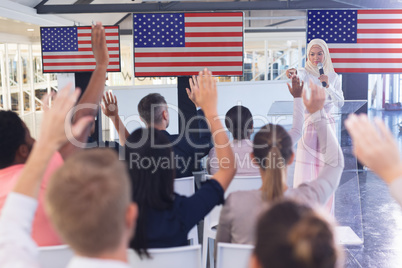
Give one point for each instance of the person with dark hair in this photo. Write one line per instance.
(294, 235)
(16, 141)
(272, 152)
(165, 218)
(88, 198)
(239, 121)
(188, 148)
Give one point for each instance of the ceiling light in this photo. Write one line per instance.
(30, 30)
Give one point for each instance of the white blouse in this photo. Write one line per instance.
(334, 94)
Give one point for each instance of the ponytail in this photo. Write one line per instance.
(273, 178)
(272, 148)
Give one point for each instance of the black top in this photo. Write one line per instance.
(169, 228)
(190, 147)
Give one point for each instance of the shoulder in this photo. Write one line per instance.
(244, 197)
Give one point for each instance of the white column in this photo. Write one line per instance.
(30, 70)
(266, 59)
(299, 44)
(20, 81)
(6, 92)
(3, 81)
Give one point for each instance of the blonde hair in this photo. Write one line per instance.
(295, 235)
(87, 201)
(272, 149)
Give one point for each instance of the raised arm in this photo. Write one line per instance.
(330, 153)
(375, 147)
(88, 104)
(298, 110)
(207, 97)
(111, 110)
(17, 249)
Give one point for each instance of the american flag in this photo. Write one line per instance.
(68, 49)
(360, 41)
(179, 44)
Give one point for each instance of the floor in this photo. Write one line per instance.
(380, 215)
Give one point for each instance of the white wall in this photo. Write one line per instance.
(257, 96)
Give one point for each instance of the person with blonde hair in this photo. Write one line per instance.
(273, 152)
(295, 235)
(308, 164)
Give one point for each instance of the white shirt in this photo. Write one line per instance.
(334, 93)
(18, 250)
(396, 190)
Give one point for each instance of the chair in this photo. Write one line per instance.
(185, 186)
(211, 221)
(177, 257)
(233, 255)
(55, 256)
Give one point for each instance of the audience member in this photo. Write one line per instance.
(16, 142)
(239, 121)
(272, 151)
(294, 235)
(111, 109)
(165, 218)
(153, 110)
(375, 147)
(88, 199)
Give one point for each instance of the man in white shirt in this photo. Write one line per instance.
(88, 199)
(376, 148)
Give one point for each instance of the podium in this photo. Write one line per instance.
(347, 209)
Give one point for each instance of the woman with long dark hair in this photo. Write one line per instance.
(165, 218)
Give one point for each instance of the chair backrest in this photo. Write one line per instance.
(177, 257)
(55, 256)
(184, 186)
(233, 255)
(239, 183)
(244, 183)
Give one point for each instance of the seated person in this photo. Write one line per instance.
(272, 150)
(166, 217)
(88, 199)
(294, 235)
(153, 111)
(376, 148)
(16, 144)
(239, 121)
(110, 109)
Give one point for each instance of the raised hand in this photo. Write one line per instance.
(194, 86)
(56, 128)
(297, 88)
(374, 146)
(99, 47)
(109, 106)
(206, 93)
(317, 98)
